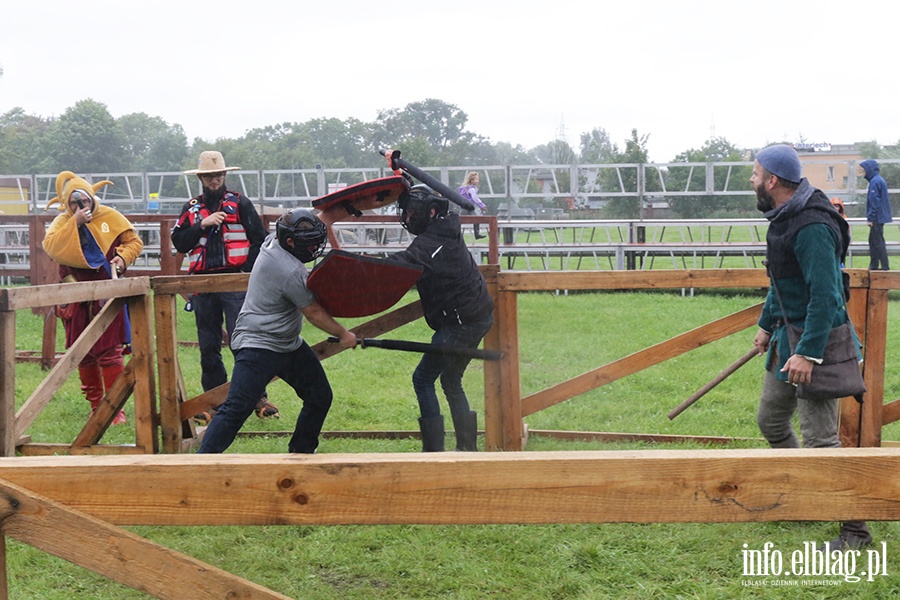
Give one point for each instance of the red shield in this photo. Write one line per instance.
(354, 199)
(348, 285)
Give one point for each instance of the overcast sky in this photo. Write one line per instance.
(525, 72)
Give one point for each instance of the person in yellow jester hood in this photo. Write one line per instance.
(91, 242)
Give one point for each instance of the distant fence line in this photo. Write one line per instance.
(580, 185)
(516, 245)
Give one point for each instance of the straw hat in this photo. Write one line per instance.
(211, 161)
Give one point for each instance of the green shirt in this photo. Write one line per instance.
(812, 301)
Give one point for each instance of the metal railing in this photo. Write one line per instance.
(585, 185)
(520, 245)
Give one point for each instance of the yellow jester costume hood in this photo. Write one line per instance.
(62, 241)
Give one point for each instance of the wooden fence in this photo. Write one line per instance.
(505, 407)
(74, 497)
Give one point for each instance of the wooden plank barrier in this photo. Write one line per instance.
(69, 506)
(646, 486)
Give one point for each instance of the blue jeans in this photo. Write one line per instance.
(253, 370)
(779, 401)
(449, 368)
(208, 312)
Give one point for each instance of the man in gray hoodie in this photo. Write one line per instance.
(878, 212)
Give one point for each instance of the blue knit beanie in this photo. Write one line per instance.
(781, 160)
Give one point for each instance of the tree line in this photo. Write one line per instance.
(86, 138)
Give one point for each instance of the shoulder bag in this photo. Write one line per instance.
(839, 374)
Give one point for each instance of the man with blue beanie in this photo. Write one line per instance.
(878, 212)
(806, 242)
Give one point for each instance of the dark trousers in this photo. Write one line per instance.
(253, 370)
(209, 310)
(878, 257)
(449, 368)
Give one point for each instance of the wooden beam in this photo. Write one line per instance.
(884, 280)
(205, 401)
(116, 553)
(890, 412)
(656, 438)
(28, 448)
(642, 359)
(648, 486)
(524, 281)
(187, 284)
(63, 293)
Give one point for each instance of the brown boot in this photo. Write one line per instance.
(110, 375)
(265, 409)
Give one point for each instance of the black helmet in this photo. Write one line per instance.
(306, 230)
(415, 207)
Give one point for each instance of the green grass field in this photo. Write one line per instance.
(560, 336)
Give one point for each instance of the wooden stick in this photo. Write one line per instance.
(718, 379)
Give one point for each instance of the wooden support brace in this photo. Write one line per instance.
(115, 553)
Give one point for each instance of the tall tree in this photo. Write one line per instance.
(23, 141)
(693, 178)
(596, 147)
(635, 152)
(86, 139)
(439, 124)
(151, 144)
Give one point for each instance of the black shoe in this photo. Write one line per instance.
(854, 535)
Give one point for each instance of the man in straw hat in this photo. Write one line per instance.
(92, 242)
(221, 232)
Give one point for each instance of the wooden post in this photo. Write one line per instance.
(493, 242)
(848, 428)
(42, 269)
(7, 382)
(167, 369)
(876, 344)
(168, 264)
(4, 586)
(48, 344)
(502, 402)
(145, 415)
(492, 369)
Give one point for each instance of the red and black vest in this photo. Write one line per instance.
(220, 249)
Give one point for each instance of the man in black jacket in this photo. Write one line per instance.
(457, 307)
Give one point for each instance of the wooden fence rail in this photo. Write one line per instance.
(70, 506)
(505, 408)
